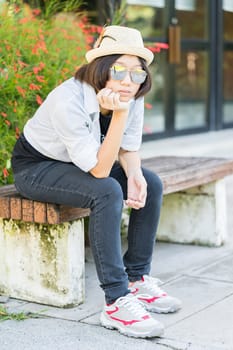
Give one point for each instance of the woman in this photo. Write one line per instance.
(81, 149)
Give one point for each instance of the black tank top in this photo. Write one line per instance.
(24, 154)
(104, 125)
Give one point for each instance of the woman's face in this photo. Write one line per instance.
(125, 87)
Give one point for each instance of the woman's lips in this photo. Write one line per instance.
(124, 92)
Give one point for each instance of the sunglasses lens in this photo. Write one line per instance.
(118, 72)
(138, 76)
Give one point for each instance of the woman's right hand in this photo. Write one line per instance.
(109, 149)
(110, 100)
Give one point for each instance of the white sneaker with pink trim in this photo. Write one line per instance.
(129, 317)
(153, 297)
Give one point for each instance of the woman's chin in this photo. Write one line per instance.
(125, 98)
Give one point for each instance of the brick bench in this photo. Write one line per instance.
(41, 250)
(42, 244)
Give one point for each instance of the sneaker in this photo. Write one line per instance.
(153, 297)
(129, 317)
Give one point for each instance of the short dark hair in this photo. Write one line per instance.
(96, 73)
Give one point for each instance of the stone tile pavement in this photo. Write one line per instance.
(202, 277)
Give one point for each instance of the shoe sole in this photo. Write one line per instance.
(153, 333)
(162, 310)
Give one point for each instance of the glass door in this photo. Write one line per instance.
(191, 83)
(192, 79)
(149, 17)
(178, 102)
(227, 10)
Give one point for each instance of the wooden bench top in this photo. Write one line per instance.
(180, 173)
(176, 173)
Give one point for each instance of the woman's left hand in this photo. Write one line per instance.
(137, 190)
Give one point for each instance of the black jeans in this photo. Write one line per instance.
(64, 183)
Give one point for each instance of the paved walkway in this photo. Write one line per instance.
(201, 277)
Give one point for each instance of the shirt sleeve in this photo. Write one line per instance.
(132, 137)
(74, 128)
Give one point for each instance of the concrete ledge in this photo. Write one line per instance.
(197, 216)
(42, 263)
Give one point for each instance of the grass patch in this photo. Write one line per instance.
(19, 316)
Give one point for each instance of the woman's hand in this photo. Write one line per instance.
(137, 190)
(110, 100)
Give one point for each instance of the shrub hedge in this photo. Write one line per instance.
(36, 54)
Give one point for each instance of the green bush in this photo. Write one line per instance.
(35, 56)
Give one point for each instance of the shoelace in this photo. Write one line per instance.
(132, 304)
(153, 285)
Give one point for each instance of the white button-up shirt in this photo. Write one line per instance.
(66, 126)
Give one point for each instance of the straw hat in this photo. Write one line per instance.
(119, 40)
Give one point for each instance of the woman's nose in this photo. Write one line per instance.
(127, 79)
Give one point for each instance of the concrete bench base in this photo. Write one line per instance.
(42, 263)
(197, 215)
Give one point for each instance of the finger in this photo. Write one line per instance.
(137, 196)
(130, 205)
(113, 99)
(104, 92)
(134, 204)
(108, 98)
(116, 99)
(142, 192)
(142, 196)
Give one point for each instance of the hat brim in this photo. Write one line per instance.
(144, 53)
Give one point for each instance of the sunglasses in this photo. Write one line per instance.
(118, 72)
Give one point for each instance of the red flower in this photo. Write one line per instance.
(16, 9)
(17, 132)
(22, 64)
(5, 172)
(157, 47)
(36, 70)
(36, 12)
(162, 45)
(89, 39)
(18, 53)
(40, 45)
(8, 123)
(24, 20)
(39, 99)
(21, 91)
(147, 129)
(34, 87)
(40, 78)
(42, 65)
(148, 105)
